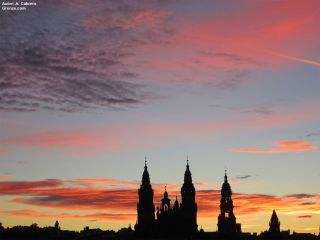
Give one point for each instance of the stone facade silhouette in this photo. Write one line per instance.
(168, 218)
(227, 225)
(177, 219)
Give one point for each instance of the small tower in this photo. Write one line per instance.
(227, 221)
(274, 224)
(57, 226)
(165, 201)
(188, 204)
(176, 204)
(145, 206)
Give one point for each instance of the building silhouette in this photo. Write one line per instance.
(227, 225)
(145, 207)
(274, 224)
(275, 232)
(168, 218)
(188, 204)
(177, 219)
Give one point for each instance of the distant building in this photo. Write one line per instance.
(274, 224)
(274, 231)
(227, 225)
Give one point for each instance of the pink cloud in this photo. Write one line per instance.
(133, 20)
(280, 147)
(3, 151)
(244, 41)
(67, 140)
(120, 137)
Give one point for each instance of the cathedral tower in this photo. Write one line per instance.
(145, 207)
(188, 204)
(227, 221)
(274, 224)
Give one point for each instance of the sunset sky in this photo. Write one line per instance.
(89, 88)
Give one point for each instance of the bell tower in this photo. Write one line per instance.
(188, 204)
(145, 206)
(165, 202)
(227, 221)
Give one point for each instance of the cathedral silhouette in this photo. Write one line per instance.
(180, 219)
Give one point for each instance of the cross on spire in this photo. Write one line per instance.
(225, 174)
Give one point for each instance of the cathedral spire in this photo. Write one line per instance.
(188, 203)
(274, 224)
(225, 175)
(145, 175)
(187, 175)
(165, 192)
(145, 206)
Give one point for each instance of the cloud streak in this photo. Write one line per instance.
(244, 176)
(5, 177)
(305, 216)
(280, 147)
(297, 59)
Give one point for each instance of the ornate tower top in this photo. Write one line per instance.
(226, 189)
(227, 221)
(145, 175)
(165, 201)
(165, 192)
(187, 175)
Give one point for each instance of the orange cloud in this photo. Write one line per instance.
(116, 200)
(280, 147)
(5, 177)
(58, 194)
(26, 213)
